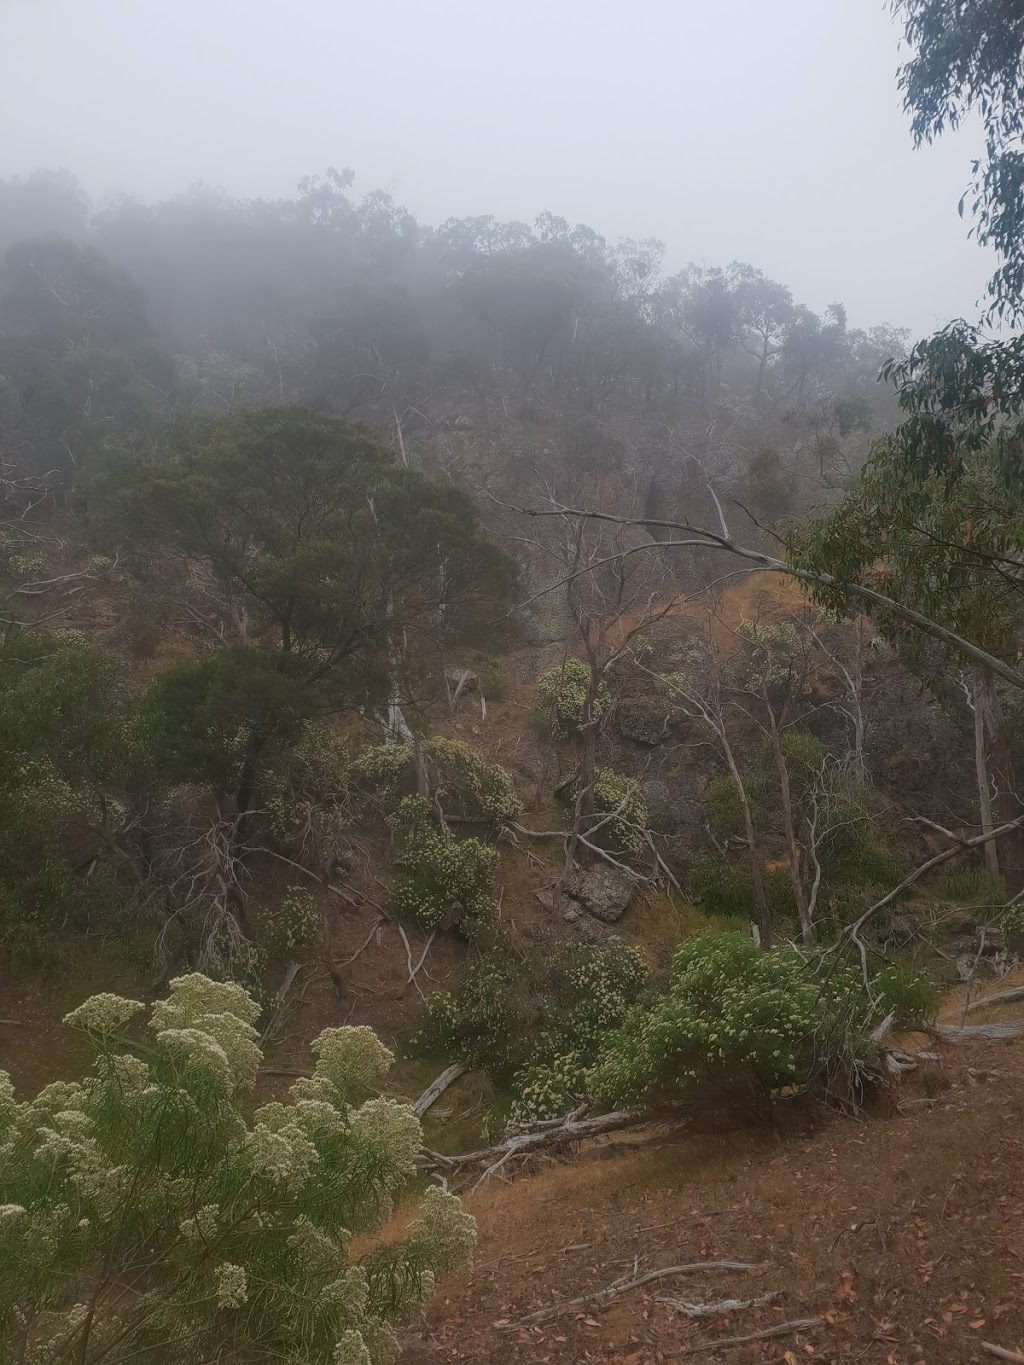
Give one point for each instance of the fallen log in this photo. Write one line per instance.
(436, 1089)
(600, 1297)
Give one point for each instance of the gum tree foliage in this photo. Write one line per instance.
(966, 59)
(148, 1213)
(338, 549)
(950, 544)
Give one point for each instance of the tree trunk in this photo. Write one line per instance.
(757, 881)
(1005, 805)
(984, 781)
(792, 847)
(583, 817)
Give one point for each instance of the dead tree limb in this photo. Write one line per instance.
(781, 1329)
(523, 1143)
(700, 537)
(715, 1310)
(436, 1089)
(1002, 1352)
(600, 1297)
(998, 998)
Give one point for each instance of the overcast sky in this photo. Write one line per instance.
(740, 129)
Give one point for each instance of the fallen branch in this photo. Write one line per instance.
(1002, 1352)
(365, 943)
(408, 958)
(781, 1329)
(999, 998)
(568, 1132)
(715, 1310)
(950, 1033)
(291, 973)
(436, 1089)
(600, 1297)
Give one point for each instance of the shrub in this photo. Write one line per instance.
(723, 886)
(561, 696)
(536, 1025)
(589, 991)
(154, 1173)
(485, 1021)
(292, 924)
(307, 799)
(460, 779)
(614, 792)
(438, 876)
(741, 1020)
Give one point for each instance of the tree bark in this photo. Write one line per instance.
(984, 781)
(792, 847)
(1005, 803)
(757, 881)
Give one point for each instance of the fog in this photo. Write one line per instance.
(767, 133)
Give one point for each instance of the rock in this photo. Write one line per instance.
(660, 807)
(463, 423)
(604, 891)
(644, 720)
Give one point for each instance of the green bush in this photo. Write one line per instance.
(463, 782)
(535, 1024)
(561, 696)
(485, 1021)
(723, 886)
(623, 834)
(439, 876)
(738, 1019)
(148, 1214)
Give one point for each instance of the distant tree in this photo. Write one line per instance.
(340, 550)
(765, 311)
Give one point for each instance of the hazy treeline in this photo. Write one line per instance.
(115, 317)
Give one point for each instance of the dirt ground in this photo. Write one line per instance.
(902, 1233)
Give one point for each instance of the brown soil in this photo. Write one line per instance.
(903, 1232)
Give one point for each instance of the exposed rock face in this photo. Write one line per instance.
(604, 891)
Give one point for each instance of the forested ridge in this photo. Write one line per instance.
(467, 694)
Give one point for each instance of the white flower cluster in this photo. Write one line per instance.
(444, 1233)
(209, 1024)
(394, 1130)
(351, 1058)
(103, 1015)
(351, 1349)
(232, 1285)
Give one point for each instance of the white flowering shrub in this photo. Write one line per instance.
(535, 1026)
(306, 797)
(441, 878)
(739, 1019)
(291, 925)
(148, 1214)
(561, 696)
(460, 780)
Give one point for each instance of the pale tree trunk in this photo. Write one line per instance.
(1005, 802)
(984, 781)
(583, 816)
(757, 881)
(792, 847)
